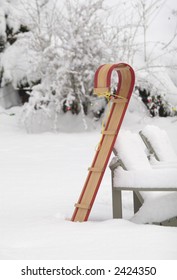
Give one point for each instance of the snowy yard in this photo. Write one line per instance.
(50, 50)
(41, 178)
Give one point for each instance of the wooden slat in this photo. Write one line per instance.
(109, 132)
(119, 100)
(82, 206)
(95, 169)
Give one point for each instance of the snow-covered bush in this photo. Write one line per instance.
(13, 53)
(69, 49)
(55, 59)
(157, 91)
(155, 103)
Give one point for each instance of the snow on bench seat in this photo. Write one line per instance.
(139, 172)
(146, 178)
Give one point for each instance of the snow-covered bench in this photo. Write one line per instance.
(154, 189)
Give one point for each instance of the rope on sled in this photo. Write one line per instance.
(110, 97)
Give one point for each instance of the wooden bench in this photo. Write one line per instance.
(132, 171)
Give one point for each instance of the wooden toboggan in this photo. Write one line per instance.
(120, 100)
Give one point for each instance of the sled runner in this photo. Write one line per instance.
(119, 100)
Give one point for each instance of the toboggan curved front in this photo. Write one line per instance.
(120, 100)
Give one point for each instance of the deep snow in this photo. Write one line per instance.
(41, 178)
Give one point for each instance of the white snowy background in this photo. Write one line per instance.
(42, 175)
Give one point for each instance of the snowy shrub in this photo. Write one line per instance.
(156, 104)
(68, 51)
(51, 52)
(71, 43)
(13, 53)
(39, 113)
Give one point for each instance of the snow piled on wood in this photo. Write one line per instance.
(141, 174)
(145, 178)
(132, 151)
(161, 143)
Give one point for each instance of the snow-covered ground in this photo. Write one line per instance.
(41, 178)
